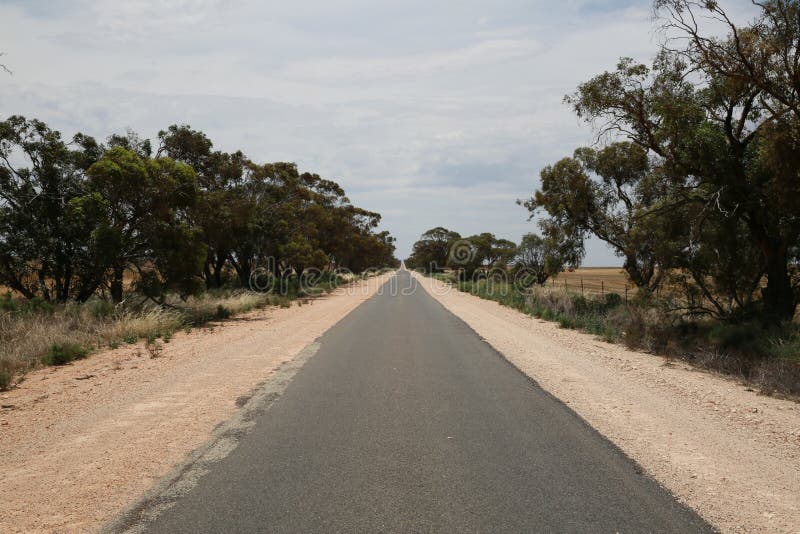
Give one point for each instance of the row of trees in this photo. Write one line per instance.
(439, 248)
(534, 260)
(82, 216)
(701, 187)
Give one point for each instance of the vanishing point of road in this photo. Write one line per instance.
(405, 420)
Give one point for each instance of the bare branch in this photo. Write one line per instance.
(3, 67)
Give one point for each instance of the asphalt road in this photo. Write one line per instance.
(406, 421)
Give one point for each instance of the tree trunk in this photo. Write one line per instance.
(778, 296)
(218, 266)
(117, 286)
(244, 273)
(640, 273)
(209, 277)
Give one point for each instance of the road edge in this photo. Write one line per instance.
(224, 440)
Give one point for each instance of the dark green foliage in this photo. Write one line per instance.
(64, 354)
(538, 258)
(608, 193)
(440, 248)
(703, 192)
(84, 218)
(7, 304)
(101, 308)
(433, 250)
(43, 241)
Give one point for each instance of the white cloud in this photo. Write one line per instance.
(430, 113)
(473, 56)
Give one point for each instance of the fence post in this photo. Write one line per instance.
(581, 286)
(602, 288)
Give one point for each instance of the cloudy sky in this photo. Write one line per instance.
(431, 113)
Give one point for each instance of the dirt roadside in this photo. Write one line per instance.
(80, 442)
(729, 453)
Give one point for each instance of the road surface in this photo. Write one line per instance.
(406, 421)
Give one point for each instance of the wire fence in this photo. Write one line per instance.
(592, 286)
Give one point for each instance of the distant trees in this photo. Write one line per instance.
(439, 248)
(433, 249)
(706, 187)
(82, 217)
(533, 261)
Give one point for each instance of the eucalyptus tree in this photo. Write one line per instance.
(139, 208)
(718, 117)
(44, 249)
(614, 194)
(432, 250)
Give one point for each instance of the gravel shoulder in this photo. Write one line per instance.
(80, 442)
(731, 454)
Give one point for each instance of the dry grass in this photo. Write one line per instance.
(28, 336)
(216, 305)
(765, 357)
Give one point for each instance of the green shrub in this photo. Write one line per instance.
(7, 373)
(612, 300)
(785, 345)
(565, 321)
(222, 312)
(63, 354)
(100, 308)
(746, 337)
(39, 305)
(7, 304)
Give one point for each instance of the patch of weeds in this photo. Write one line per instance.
(6, 375)
(565, 321)
(63, 354)
(114, 345)
(222, 312)
(745, 337)
(7, 304)
(130, 339)
(154, 348)
(101, 308)
(39, 305)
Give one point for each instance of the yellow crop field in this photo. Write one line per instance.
(593, 280)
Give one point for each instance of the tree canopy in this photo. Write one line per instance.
(80, 217)
(701, 180)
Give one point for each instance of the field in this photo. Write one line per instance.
(593, 280)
